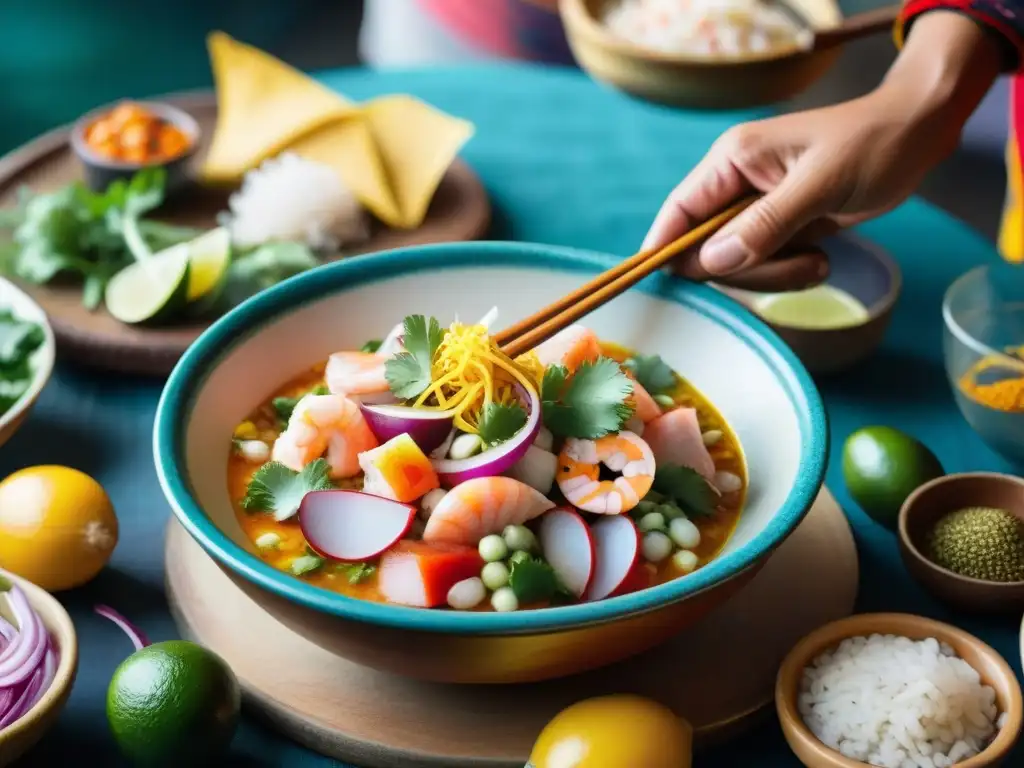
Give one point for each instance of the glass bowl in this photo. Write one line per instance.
(983, 313)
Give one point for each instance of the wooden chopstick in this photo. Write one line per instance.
(542, 325)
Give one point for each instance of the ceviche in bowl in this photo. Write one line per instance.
(360, 455)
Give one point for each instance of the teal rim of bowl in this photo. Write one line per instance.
(248, 318)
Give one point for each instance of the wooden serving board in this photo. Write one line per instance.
(719, 674)
(460, 210)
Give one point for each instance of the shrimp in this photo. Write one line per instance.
(482, 506)
(356, 373)
(579, 471)
(320, 423)
(570, 347)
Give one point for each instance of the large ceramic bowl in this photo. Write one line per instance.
(754, 379)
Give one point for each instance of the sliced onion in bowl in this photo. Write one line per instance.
(427, 428)
(496, 460)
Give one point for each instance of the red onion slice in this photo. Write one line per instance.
(25, 700)
(25, 653)
(494, 460)
(136, 635)
(29, 660)
(427, 428)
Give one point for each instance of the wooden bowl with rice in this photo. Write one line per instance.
(924, 663)
(769, 68)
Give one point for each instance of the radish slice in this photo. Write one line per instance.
(497, 460)
(352, 526)
(568, 547)
(394, 342)
(616, 550)
(427, 428)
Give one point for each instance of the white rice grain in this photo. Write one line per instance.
(291, 198)
(712, 28)
(893, 702)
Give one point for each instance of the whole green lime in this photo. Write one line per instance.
(882, 467)
(173, 704)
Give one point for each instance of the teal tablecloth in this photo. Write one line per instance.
(566, 162)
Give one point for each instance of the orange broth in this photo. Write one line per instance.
(715, 529)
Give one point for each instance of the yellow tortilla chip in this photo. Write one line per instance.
(392, 152)
(417, 144)
(347, 146)
(262, 106)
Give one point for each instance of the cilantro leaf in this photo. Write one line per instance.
(285, 405)
(278, 490)
(553, 383)
(687, 488)
(653, 373)
(357, 572)
(499, 423)
(265, 266)
(533, 580)
(19, 339)
(408, 373)
(593, 403)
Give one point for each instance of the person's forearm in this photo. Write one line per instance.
(946, 67)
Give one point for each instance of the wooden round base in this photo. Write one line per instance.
(718, 675)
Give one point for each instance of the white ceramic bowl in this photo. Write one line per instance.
(747, 371)
(16, 301)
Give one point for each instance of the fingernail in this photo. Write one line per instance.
(725, 255)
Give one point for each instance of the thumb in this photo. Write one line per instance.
(766, 226)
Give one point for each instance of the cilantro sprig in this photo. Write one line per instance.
(653, 373)
(533, 580)
(357, 573)
(499, 422)
(687, 488)
(19, 340)
(279, 491)
(408, 373)
(590, 404)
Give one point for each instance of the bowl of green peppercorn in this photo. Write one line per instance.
(962, 537)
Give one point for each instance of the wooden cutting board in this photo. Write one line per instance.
(460, 210)
(719, 674)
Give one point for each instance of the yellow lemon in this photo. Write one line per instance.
(57, 526)
(614, 732)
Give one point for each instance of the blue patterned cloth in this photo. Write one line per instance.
(567, 162)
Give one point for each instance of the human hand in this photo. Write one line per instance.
(829, 168)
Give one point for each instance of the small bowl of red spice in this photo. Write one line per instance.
(116, 142)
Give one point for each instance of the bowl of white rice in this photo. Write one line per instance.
(897, 691)
(718, 54)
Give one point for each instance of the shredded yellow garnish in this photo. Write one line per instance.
(469, 371)
(1004, 394)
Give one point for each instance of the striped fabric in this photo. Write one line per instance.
(1006, 18)
(517, 29)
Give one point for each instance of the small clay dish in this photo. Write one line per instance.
(863, 271)
(27, 730)
(101, 171)
(923, 509)
(992, 668)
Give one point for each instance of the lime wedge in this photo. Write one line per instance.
(823, 307)
(210, 257)
(153, 290)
